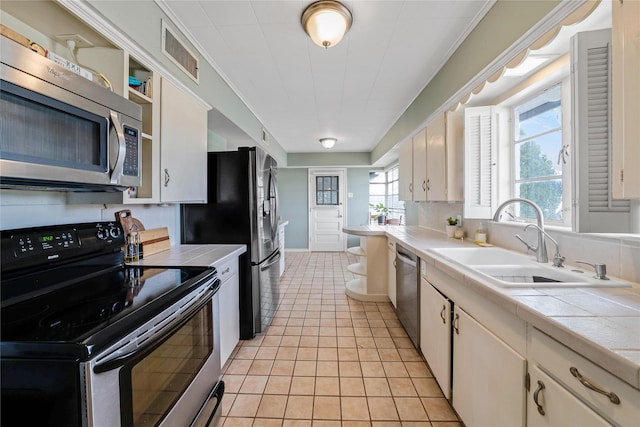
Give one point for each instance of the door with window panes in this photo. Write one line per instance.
(326, 210)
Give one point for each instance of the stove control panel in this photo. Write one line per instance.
(27, 244)
(44, 245)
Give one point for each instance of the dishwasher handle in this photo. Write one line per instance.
(406, 259)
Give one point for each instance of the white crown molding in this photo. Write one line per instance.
(102, 25)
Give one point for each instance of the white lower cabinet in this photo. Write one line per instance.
(229, 297)
(550, 404)
(488, 376)
(435, 334)
(391, 271)
(592, 396)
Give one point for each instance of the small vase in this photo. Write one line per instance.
(381, 219)
(451, 229)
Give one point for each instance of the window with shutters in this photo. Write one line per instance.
(550, 141)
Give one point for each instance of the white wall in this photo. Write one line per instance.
(21, 209)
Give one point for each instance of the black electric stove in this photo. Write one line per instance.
(66, 290)
(66, 294)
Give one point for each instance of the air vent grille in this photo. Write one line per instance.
(178, 53)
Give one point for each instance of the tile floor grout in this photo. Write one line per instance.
(330, 361)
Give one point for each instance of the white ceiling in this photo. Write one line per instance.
(354, 91)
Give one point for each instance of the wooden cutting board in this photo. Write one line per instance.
(154, 240)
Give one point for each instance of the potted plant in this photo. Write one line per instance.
(451, 226)
(381, 210)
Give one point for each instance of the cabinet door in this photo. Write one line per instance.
(551, 405)
(391, 272)
(455, 155)
(183, 130)
(229, 295)
(435, 334)
(405, 171)
(488, 376)
(420, 166)
(436, 160)
(625, 179)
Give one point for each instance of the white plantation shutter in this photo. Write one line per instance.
(595, 209)
(480, 156)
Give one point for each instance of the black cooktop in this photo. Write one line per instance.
(67, 292)
(98, 306)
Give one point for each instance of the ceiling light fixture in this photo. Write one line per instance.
(326, 22)
(328, 142)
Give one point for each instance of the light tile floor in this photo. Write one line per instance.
(330, 361)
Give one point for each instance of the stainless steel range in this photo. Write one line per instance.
(89, 341)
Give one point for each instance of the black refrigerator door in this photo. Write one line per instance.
(226, 218)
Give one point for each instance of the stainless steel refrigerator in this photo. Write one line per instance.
(242, 208)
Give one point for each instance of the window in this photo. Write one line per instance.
(539, 154)
(384, 188)
(327, 191)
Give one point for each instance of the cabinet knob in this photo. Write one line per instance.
(167, 177)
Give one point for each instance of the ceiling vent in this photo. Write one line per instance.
(178, 53)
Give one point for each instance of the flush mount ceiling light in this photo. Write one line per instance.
(328, 142)
(326, 22)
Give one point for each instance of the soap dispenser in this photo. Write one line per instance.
(481, 235)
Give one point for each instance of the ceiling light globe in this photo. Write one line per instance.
(328, 142)
(326, 22)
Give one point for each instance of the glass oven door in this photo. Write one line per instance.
(163, 382)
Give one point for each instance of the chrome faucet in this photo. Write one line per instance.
(541, 249)
(558, 259)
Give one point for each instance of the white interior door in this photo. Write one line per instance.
(326, 210)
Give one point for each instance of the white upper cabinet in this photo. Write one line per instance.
(626, 99)
(183, 160)
(420, 166)
(412, 168)
(436, 160)
(431, 162)
(405, 171)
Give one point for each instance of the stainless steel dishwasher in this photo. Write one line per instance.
(408, 292)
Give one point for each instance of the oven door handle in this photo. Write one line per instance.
(161, 334)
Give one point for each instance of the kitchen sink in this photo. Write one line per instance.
(508, 269)
(482, 256)
(543, 275)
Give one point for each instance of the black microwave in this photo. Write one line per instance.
(61, 131)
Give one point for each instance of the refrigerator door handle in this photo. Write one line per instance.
(273, 187)
(271, 261)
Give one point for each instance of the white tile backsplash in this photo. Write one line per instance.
(621, 252)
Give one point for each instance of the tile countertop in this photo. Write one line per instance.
(602, 324)
(193, 255)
